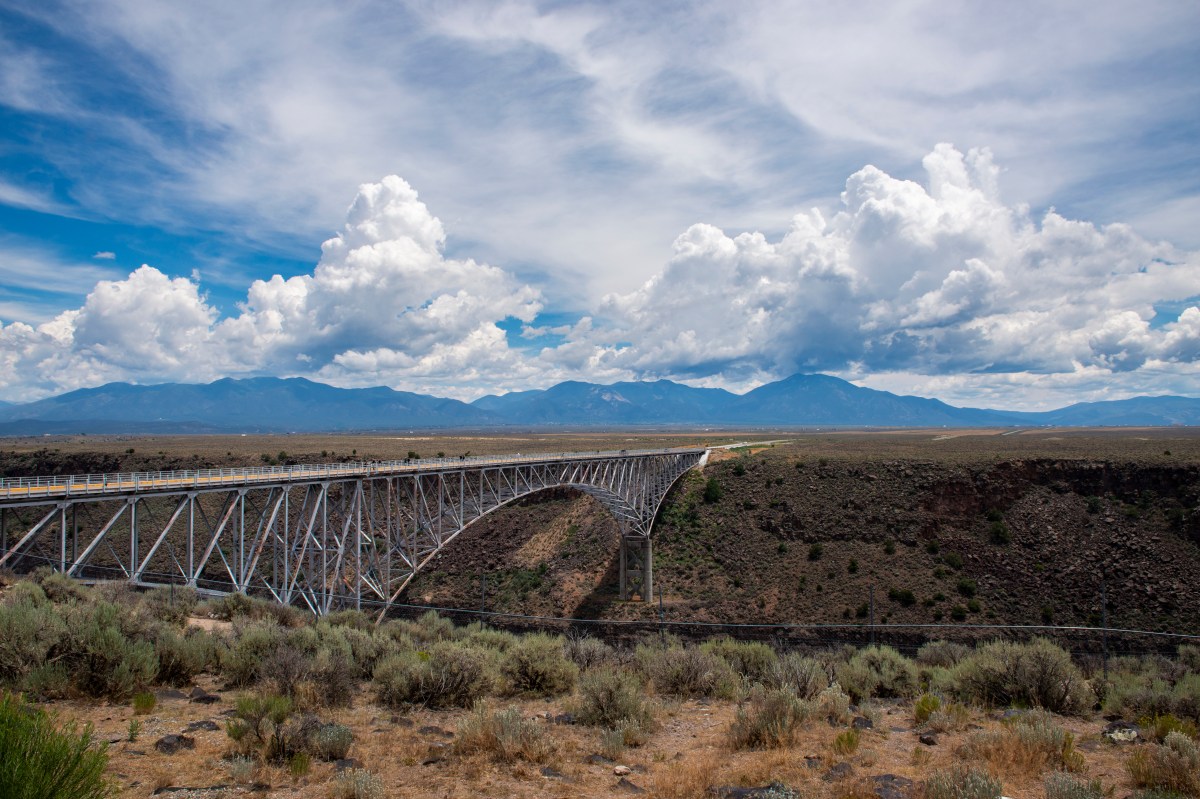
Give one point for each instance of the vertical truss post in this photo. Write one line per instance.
(133, 538)
(62, 537)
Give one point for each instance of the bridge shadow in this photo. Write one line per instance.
(604, 595)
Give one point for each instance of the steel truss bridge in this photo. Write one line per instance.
(325, 536)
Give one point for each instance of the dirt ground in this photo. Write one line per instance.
(687, 755)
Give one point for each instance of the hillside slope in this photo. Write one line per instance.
(799, 540)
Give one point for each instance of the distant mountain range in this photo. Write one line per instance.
(269, 404)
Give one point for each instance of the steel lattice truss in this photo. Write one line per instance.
(322, 537)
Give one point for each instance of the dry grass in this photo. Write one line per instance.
(690, 778)
(685, 757)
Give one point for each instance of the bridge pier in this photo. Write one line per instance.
(637, 569)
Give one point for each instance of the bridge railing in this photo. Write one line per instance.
(125, 482)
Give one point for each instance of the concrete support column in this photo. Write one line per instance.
(637, 569)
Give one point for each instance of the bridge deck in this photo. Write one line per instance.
(24, 489)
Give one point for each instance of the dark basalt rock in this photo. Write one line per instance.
(170, 744)
(840, 771)
(891, 786)
(206, 724)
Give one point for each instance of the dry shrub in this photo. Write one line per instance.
(833, 705)
(503, 736)
(612, 698)
(962, 783)
(942, 654)
(952, 717)
(447, 675)
(1173, 765)
(1060, 785)
(1030, 743)
(770, 719)
(807, 676)
(589, 653)
(357, 783)
(688, 672)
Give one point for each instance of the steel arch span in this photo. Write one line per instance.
(324, 537)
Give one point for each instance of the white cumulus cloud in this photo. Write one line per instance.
(933, 279)
(383, 305)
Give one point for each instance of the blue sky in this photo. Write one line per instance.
(994, 205)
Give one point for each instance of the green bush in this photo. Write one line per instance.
(712, 491)
(98, 656)
(505, 736)
(1038, 674)
(172, 605)
(59, 588)
(144, 702)
(962, 783)
(489, 638)
(753, 660)
(182, 656)
(242, 663)
(1159, 727)
(878, 671)
(951, 717)
(924, 707)
(771, 719)
(612, 698)
(447, 675)
(40, 760)
(259, 727)
(1189, 658)
(431, 627)
(29, 630)
(537, 665)
(846, 742)
(350, 619)
(833, 705)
